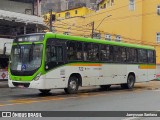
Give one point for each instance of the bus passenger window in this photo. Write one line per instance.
(117, 54)
(142, 56)
(131, 55)
(74, 50)
(79, 50)
(87, 51)
(79, 55)
(151, 56)
(124, 57)
(71, 51)
(85, 56)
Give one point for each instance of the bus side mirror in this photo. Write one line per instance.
(4, 50)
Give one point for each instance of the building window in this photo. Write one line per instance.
(108, 3)
(158, 9)
(158, 37)
(118, 38)
(53, 17)
(131, 4)
(112, 2)
(107, 37)
(45, 17)
(76, 12)
(104, 6)
(66, 33)
(97, 35)
(67, 15)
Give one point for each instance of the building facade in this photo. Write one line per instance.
(19, 17)
(67, 22)
(62, 5)
(133, 21)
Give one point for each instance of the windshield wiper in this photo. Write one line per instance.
(31, 52)
(19, 47)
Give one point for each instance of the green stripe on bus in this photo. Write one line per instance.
(82, 39)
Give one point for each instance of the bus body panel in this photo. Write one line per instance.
(92, 72)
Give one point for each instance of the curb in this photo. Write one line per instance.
(3, 84)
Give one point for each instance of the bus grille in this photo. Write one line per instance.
(21, 84)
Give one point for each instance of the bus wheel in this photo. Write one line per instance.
(72, 85)
(130, 82)
(44, 91)
(105, 87)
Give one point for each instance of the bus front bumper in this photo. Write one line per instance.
(36, 84)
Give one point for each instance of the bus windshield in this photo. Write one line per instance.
(26, 57)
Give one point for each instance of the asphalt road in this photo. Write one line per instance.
(144, 97)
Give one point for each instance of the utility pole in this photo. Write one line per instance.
(92, 23)
(50, 21)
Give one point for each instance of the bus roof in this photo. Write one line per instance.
(83, 39)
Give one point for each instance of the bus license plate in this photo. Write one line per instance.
(21, 86)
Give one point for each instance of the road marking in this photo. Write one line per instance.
(63, 97)
(48, 98)
(30, 102)
(43, 99)
(156, 90)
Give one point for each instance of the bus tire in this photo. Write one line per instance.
(130, 82)
(44, 91)
(105, 87)
(72, 85)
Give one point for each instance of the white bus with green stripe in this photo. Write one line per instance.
(55, 61)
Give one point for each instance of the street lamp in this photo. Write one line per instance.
(103, 20)
(92, 23)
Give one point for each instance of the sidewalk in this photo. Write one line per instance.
(3, 84)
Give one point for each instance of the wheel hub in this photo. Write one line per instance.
(73, 85)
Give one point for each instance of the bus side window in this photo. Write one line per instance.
(87, 51)
(111, 53)
(131, 55)
(59, 53)
(48, 54)
(85, 56)
(142, 56)
(95, 50)
(104, 53)
(117, 53)
(79, 50)
(124, 56)
(150, 56)
(71, 50)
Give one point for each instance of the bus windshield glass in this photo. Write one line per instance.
(26, 57)
(30, 38)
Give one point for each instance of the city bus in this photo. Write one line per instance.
(46, 61)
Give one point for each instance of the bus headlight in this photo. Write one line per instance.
(37, 77)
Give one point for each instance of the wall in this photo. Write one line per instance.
(135, 26)
(117, 19)
(151, 24)
(15, 6)
(80, 12)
